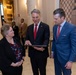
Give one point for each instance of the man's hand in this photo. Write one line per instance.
(27, 42)
(51, 55)
(68, 65)
(39, 48)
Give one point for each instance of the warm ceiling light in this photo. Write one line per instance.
(4, 7)
(25, 1)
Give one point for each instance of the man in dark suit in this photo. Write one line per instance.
(16, 30)
(64, 43)
(37, 37)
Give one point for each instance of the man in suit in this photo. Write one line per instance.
(22, 31)
(15, 29)
(64, 43)
(37, 37)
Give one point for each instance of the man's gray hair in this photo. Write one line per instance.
(35, 11)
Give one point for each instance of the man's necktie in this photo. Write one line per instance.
(58, 31)
(35, 31)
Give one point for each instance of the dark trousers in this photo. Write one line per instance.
(38, 65)
(60, 68)
(12, 71)
(22, 41)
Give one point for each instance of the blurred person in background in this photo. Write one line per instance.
(15, 29)
(22, 31)
(4, 22)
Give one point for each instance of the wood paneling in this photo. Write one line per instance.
(8, 10)
(1, 1)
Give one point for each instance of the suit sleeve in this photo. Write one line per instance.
(46, 35)
(53, 42)
(3, 57)
(73, 44)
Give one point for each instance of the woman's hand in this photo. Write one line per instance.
(39, 48)
(17, 64)
(14, 64)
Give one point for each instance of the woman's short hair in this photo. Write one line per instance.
(4, 29)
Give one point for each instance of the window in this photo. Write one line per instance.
(1, 9)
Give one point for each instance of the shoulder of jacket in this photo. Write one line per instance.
(44, 24)
(2, 41)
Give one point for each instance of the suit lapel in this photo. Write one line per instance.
(62, 31)
(55, 32)
(39, 30)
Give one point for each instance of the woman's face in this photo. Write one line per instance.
(10, 32)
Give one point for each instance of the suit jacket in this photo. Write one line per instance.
(22, 31)
(16, 31)
(7, 55)
(64, 47)
(42, 38)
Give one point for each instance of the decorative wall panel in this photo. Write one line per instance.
(68, 6)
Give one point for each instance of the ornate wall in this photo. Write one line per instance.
(68, 6)
(8, 10)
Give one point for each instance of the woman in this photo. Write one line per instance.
(11, 53)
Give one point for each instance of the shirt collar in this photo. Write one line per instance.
(38, 24)
(62, 24)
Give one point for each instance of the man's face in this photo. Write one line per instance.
(35, 18)
(57, 19)
(22, 20)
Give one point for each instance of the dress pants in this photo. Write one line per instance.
(38, 65)
(60, 68)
